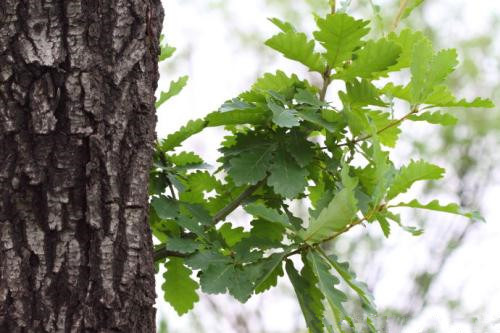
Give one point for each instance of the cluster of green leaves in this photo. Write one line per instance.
(285, 143)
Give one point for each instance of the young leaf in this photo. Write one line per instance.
(279, 82)
(175, 139)
(406, 39)
(284, 26)
(339, 213)
(384, 224)
(436, 117)
(451, 208)
(179, 289)
(232, 235)
(185, 158)
(166, 52)
(295, 45)
(308, 295)
(443, 97)
(409, 174)
(254, 116)
(372, 60)
(175, 88)
(286, 177)
(388, 131)
(362, 93)
(429, 70)
(340, 34)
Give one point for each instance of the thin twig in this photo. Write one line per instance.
(397, 19)
(163, 253)
(237, 202)
(171, 188)
(332, 6)
(396, 122)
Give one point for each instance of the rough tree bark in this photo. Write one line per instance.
(77, 119)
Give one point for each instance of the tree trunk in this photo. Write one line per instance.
(77, 120)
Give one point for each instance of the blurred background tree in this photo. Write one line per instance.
(442, 281)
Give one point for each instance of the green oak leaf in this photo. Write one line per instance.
(363, 92)
(284, 26)
(286, 177)
(338, 214)
(251, 167)
(350, 278)
(185, 158)
(216, 278)
(429, 70)
(165, 208)
(409, 174)
(175, 139)
(300, 148)
(204, 258)
(340, 34)
(308, 295)
(182, 245)
(175, 88)
(296, 46)
(327, 284)
(268, 214)
(436, 117)
(232, 235)
(434, 205)
(372, 60)
(179, 289)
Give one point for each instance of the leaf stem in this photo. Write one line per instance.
(326, 82)
(396, 122)
(346, 229)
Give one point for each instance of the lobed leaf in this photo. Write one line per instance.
(340, 34)
(179, 289)
(286, 177)
(295, 46)
(175, 139)
(308, 295)
(338, 214)
(251, 167)
(409, 174)
(174, 89)
(372, 61)
(434, 205)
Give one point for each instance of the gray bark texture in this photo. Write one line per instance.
(77, 120)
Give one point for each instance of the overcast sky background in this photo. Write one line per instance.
(220, 67)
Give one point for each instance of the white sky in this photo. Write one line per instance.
(219, 68)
